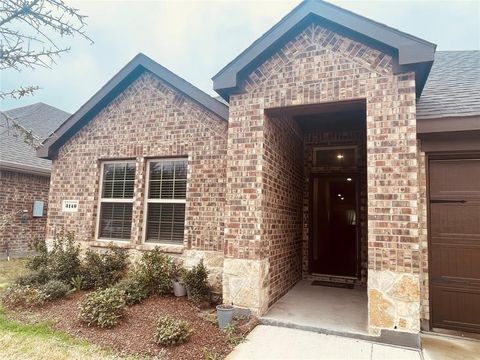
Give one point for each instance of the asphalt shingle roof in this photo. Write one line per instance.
(43, 119)
(453, 86)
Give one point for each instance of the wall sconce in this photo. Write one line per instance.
(24, 217)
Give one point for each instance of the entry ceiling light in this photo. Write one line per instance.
(342, 198)
(339, 195)
(349, 179)
(340, 156)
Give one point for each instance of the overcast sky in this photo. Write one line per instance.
(195, 39)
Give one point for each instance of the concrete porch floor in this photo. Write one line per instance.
(322, 309)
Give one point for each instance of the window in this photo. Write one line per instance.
(167, 185)
(115, 220)
(341, 156)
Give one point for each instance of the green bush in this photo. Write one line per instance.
(196, 282)
(170, 331)
(101, 270)
(134, 291)
(154, 270)
(61, 263)
(54, 289)
(34, 279)
(103, 308)
(22, 296)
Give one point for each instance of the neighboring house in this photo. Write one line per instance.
(24, 178)
(343, 155)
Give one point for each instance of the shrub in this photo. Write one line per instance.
(54, 289)
(101, 270)
(35, 278)
(134, 291)
(154, 270)
(103, 308)
(62, 262)
(22, 296)
(196, 282)
(170, 331)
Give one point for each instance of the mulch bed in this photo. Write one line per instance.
(134, 335)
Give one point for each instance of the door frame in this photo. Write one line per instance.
(335, 174)
(441, 155)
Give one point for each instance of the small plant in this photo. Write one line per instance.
(170, 331)
(134, 291)
(179, 288)
(232, 337)
(103, 308)
(77, 282)
(101, 270)
(178, 272)
(196, 282)
(211, 354)
(154, 270)
(22, 296)
(54, 289)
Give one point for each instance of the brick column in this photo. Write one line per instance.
(245, 273)
(393, 208)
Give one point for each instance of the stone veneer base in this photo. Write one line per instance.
(245, 284)
(393, 302)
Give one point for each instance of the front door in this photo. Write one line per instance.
(455, 243)
(333, 225)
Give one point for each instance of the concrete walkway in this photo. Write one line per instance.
(278, 343)
(341, 311)
(437, 347)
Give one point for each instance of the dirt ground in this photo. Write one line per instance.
(134, 335)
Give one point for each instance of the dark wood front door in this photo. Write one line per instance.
(333, 225)
(454, 186)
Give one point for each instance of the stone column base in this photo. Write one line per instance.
(213, 261)
(393, 302)
(245, 284)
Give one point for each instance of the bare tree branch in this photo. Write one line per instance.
(18, 93)
(30, 33)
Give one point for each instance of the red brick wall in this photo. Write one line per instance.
(149, 119)
(18, 191)
(282, 203)
(320, 66)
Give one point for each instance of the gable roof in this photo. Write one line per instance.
(412, 53)
(115, 86)
(453, 87)
(15, 154)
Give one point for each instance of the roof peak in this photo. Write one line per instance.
(409, 51)
(129, 73)
(34, 105)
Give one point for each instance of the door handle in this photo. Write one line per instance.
(448, 201)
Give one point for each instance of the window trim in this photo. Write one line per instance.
(113, 200)
(164, 201)
(339, 147)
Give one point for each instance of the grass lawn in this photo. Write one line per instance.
(38, 341)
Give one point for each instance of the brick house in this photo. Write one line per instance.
(24, 178)
(348, 152)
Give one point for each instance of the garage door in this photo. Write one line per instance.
(455, 244)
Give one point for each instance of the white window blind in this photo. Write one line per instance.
(167, 184)
(115, 220)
